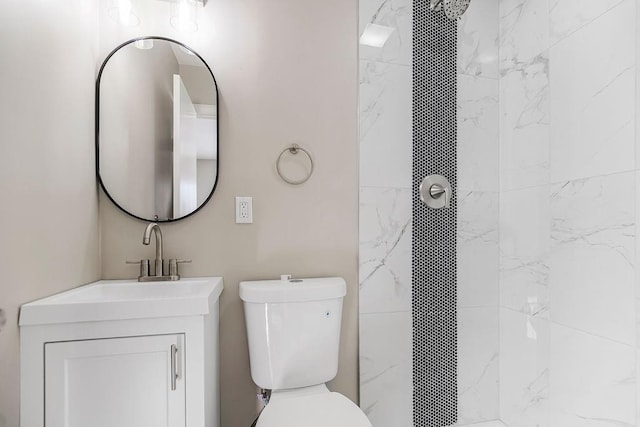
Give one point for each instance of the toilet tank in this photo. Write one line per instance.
(293, 327)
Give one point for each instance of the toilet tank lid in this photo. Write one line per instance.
(293, 290)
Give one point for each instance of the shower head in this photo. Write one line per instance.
(454, 9)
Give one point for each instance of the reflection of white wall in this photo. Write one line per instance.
(206, 137)
(185, 150)
(136, 120)
(207, 171)
(198, 83)
(194, 151)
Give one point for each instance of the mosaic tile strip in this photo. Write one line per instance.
(435, 394)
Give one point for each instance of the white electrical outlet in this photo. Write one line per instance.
(244, 210)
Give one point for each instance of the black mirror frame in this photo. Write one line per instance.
(97, 129)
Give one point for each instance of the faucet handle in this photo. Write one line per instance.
(173, 265)
(144, 266)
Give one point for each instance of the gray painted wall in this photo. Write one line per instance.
(49, 209)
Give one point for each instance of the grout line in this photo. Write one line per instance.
(386, 312)
(573, 328)
(383, 62)
(558, 182)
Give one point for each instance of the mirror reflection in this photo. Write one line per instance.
(157, 129)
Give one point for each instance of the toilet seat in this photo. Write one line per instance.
(311, 407)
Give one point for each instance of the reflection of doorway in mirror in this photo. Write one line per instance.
(194, 155)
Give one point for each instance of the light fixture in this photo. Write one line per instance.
(375, 35)
(144, 44)
(184, 15)
(121, 11)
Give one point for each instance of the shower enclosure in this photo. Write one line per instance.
(518, 304)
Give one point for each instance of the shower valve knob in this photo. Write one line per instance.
(435, 192)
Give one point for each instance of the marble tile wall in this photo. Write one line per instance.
(385, 216)
(568, 213)
(549, 308)
(478, 213)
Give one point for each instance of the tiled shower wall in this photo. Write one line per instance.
(385, 215)
(568, 214)
(478, 210)
(548, 170)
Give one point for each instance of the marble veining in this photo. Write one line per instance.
(478, 133)
(524, 250)
(524, 369)
(477, 240)
(592, 111)
(571, 223)
(478, 40)
(524, 30)
(593, 238)
(606, 421)
(385, 250)
(478, 368)
(567, 16)
(592, 380)
(524, 124)
(482, 374)
(533, 75)
(385, 117)
(568, 213)
(531, 275)
(478, 127)
(385, 368)
(478, 215)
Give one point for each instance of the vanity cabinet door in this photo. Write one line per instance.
(118, 382)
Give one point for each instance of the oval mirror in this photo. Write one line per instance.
(156, 129)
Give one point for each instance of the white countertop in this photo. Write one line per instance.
(125, 299)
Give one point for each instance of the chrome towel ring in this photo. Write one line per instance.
(294, 149)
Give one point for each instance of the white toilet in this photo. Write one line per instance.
(293, 327)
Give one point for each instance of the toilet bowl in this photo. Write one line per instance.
(293, 329)
(312, 406)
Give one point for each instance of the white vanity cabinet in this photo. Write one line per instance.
(101, 356)
(125, 382)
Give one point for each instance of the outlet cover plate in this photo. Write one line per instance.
(244, 210)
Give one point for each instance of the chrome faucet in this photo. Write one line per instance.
(146, 239)
(159, 263)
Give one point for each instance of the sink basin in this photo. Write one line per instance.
(125, 299)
